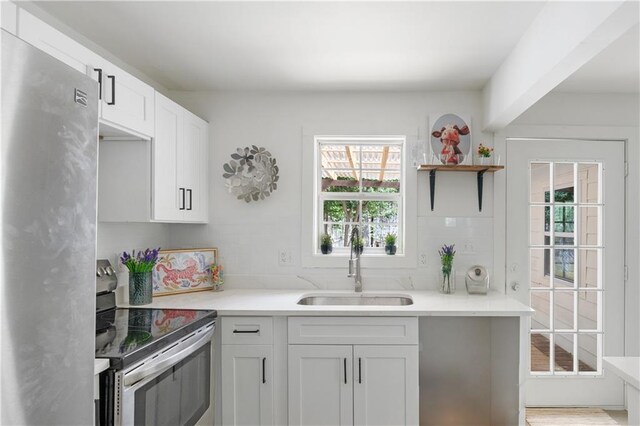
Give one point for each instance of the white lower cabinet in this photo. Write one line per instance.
(373, 381)
(385, 385)
(320, 385)
(247, 381)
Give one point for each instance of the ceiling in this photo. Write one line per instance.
(325, 45)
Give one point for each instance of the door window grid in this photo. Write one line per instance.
(571, 341)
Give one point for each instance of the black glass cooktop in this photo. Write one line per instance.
(127, 335)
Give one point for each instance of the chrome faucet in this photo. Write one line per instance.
(354, 264)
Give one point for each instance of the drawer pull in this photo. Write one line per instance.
(359, 370)
(246, 331)
(264, 374)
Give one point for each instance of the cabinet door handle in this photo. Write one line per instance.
(264, 375)
(345, 371)
(359, 370)
(99, 71)
(245, 331)
(190, 199)
(113, 89)
(182, 196)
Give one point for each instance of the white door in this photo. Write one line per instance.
(168, 198)
(195, 163)
(320, 385)
(247, 381)
(127, 103)
(565, 249)
(385, 385)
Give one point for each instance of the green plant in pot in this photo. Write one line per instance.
(326, 244)
(390, 244)
(358, 245)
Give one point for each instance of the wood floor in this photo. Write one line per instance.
(574, 417)
(540, 356)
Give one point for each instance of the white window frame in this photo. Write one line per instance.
(311, 223)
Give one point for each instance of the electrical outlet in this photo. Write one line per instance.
(284, 257)
(468, 248)
(422, 260)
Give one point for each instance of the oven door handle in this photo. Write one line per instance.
(137, 375)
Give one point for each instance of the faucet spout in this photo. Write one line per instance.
(354, 263)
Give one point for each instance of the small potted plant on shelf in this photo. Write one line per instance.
(358, 245)
(390, 244)
(484, 155)
(326, 244)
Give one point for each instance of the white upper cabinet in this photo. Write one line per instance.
(127, 104)
(180, 165)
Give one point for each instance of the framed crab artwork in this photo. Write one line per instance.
(183, 271)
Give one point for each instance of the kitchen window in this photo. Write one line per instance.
(360, 181)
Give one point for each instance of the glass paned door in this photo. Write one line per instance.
(564, 333)
(565, 247)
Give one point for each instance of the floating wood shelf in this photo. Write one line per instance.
(479, 169)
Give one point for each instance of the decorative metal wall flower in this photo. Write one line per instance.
(252, 174)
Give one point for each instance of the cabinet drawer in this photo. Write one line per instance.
(247, 330)
(353, 330)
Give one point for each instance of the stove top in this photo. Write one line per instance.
(128, 335)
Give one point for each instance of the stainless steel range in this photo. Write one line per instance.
(160, 360)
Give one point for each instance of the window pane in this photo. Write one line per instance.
(337, 232)
(340, 211)
(540, 182)
(589, 268)
(540, 346)
(539, 224)
(541, 303)
(588, 302)
(563, 348)
(339, 181)
(381, 157)
(382, 182)
(588, 348)
(380, 212)
(340, 156)
(375, 234)
(563, 267)
(564, 182)
(589, 175)
(563, 310)
(540, 261)
(589, 233)
(564, 220)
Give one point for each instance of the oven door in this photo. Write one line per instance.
(169, 388)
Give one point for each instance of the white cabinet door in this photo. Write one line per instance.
(247, 381)
(60, 46)
(127, 103)
(385, 385)
(168, 199)
(320, 385)
(195, 165)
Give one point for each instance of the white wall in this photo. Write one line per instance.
(249, 236)
(620, 113)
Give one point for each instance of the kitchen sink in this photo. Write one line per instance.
(356, 300)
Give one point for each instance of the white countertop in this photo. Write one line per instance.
(99, 365)
(284, 302)
(626, 367)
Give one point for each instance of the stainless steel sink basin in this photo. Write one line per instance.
(356, 300)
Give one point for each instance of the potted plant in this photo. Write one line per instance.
(326, 244)
(390, 244)
(447, 272)
(358, 245)
(484, 155)
(140, 266)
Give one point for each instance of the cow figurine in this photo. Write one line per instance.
(450, 139)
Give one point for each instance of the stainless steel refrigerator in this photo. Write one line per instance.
(47, 300)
